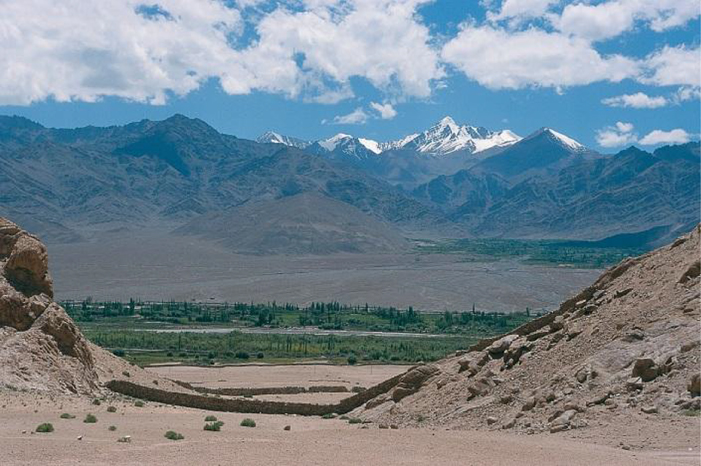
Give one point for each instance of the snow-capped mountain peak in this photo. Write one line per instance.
(276, 138)
(563, 140)
(331, 143)
(371, 145)
(446, 137)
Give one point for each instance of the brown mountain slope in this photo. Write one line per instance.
(307, 223)
(623, 351)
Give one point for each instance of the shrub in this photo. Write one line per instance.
(119, 353)
(260, 355)
(96, 402)
(210, 418)
(67, 416)
(172, 435)
(328, 416)
(90, 419)
(112, 428)
(248, 422)
(352, 359)
(45, 428)
(139, 404)
(242, 355)
(214, 426)
(354, 420)
(111, 409)
(126, 374)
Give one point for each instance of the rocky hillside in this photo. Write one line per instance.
(625, 348)
(41, 348)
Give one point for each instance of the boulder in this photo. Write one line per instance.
(473, 362)
(646, 369)
(497, 348)
(694, 385)
(412, 381)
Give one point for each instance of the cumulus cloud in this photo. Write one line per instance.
(75, 50)
(604, 20)
(672, 66)
(675, 136)
(521, 9)
(500, 59)
(386, 111)
(356, 117)
(637, 100)
(621, 134)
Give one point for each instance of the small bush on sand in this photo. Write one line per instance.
(328, 416)
(96, 402)
(354, 420)
(67, 416)
(248, 422)
(172, 435)
(45, 428)
(214, 426)
(210, 418)
(112, 428)
(352, 360)
(139, 404)
(90, 419)
(111, 409)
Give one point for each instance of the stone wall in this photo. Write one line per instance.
(212, 403)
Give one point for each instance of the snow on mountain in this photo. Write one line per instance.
(446, 137)
(371, 145)
(566, 140)
(276, 138)
(348, 145)
(332, 142)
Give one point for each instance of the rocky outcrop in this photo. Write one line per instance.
(627, 345)
(40, 346)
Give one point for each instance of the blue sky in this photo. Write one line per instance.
(609, 73)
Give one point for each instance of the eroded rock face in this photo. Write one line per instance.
(40, 346)
(412, 381)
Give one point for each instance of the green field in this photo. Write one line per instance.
(150, 332)
(545, 252)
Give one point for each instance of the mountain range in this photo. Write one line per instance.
(448, 181)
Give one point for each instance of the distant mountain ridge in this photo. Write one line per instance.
(69, 183)
(443, 138)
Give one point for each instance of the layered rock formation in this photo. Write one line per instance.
(40, 346)
(627, 346)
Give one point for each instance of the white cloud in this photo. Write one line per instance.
(672, 66)
(686, 93)
(356, 117)
(609, 19)
(386, 111)
(498, 59)
(675, 136)
(76, 50)
(621, 134)
(521, 9)
(637, 100)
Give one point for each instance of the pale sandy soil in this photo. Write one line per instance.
(297, 375)
(311, 441)
(155, 267)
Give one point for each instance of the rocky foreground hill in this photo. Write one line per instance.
(41, 348)
(626, 346)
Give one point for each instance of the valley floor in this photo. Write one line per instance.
(311, 440)
(158, 266)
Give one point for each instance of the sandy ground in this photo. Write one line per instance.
(157, 267)
(311, 440)
(298, 375)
